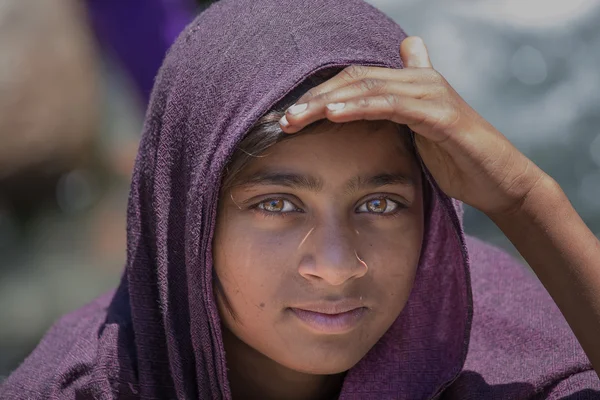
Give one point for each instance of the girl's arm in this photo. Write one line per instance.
(564, 254)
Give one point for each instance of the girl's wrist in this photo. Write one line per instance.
(545, 196)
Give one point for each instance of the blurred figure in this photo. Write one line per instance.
(74, 81)
(139, 32)
(48, 98)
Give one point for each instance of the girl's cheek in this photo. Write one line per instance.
(252, 248)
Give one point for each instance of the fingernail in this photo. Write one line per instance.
(335, 106)
(283, 121)
(297, 108)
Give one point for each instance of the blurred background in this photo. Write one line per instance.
(75, 77)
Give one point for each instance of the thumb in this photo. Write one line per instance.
(414, 53)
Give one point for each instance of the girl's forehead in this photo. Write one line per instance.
(351, 142)
(349, 150)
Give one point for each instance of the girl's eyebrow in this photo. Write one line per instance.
(276, 178)
(374, 181)
(315, 184)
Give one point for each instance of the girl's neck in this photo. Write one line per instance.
(255, 376)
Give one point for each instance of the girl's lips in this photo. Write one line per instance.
(330, 323)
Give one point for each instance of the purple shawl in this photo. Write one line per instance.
(158, 335)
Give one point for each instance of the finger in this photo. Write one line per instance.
(414, 54)
(315, 109)
(355, 73)
(420, 115)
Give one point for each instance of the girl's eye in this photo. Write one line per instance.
(379, 206)
(276, 206)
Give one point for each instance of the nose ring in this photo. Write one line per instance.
(361, 261)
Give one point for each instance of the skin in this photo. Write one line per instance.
(473, 162)
(281, 244)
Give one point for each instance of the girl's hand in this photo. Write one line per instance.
(469, 159)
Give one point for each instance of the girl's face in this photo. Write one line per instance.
(317, 245)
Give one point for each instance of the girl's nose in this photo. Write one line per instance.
(331, 255)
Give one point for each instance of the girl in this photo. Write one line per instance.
(294, 232)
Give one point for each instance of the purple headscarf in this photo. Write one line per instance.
(159, 334)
